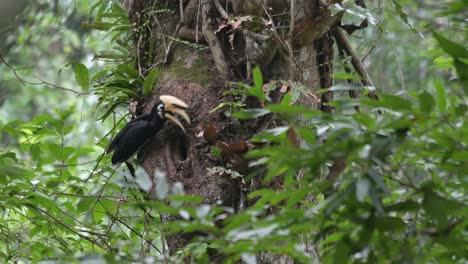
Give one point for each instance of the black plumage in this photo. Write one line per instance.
(140, 130)
(133, 136)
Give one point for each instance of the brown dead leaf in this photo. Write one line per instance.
(292, 136)
(211, 133)
(236, 24)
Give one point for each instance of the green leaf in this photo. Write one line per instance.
(437, 207)
(341, 87)
(250, 113)
(460, 156)
(98, 213)
(127, 71)
(403, 15)
(162, 186)
(9, 155)
(346, 76)
(108, 205)
(389, 223)
(376, 201)
(339, 199)
(82, 76)
(256, 90)
(85, 203)
(434, 206)
(460, 55)
(404, 206)
(452, 48)
(257, 78)
(426, 102)
(297, 196)
(342, 251)
(441, 96)
(365, 119)
(143, 180)
(396, 103)
(109, 111)
(334, 237)
(362, 189)
(292, 110)
(149, 81)
(104, 26)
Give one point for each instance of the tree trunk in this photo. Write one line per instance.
(293, 48)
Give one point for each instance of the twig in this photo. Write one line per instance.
(181, 9)
(133, 230)
(54, 85)
(325, 68)
(88, 196)
(446, 231)
(198, 20)
(42, 82)
(291, 39)
(213, 42)
(176, 32)
(352, 93)
(275, 32)
(89, 239)
(13, 70)
(343, 42)
(221, 10)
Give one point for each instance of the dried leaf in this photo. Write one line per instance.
(236, 24)
(211, 133)
(239, 147)
(292, 136)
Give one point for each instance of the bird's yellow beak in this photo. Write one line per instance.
(174, 106)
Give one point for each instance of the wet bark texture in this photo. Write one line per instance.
(294, 45)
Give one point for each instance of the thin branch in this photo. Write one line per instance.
(42, 82)
(198, 20)
(291, 39)
(213, 41)
(12, 69)
(181, 9)
(347, 69)
(342, 41)
(275, 32)
(89, 239)
(89, 196)
(54, 86)
(138, 56)
(221, 10)
(133, 230)
(176, 32)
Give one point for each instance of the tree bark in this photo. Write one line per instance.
(293, 46)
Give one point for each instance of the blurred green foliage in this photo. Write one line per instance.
(400, 197)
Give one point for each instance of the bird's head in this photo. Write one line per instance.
(170, 107)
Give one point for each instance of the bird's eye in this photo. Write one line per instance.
(161, 110)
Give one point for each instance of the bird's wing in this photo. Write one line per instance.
(131, 140)
(124, 130)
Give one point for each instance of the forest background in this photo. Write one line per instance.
(401, 195)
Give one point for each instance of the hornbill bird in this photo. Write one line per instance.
(141, 129)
